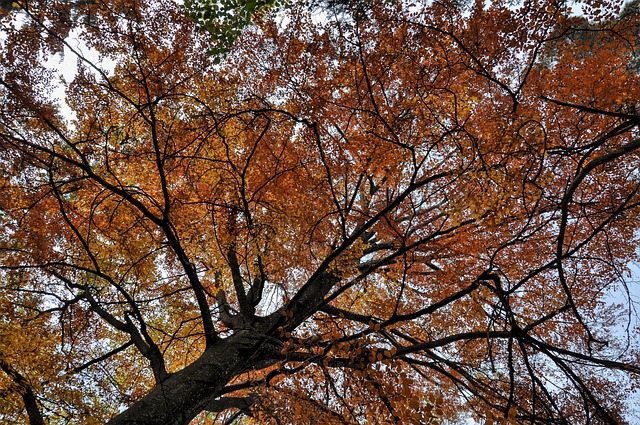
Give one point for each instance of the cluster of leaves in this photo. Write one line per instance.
(416, 213)
(226, 19)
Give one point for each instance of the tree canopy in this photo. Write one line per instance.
(364, 213)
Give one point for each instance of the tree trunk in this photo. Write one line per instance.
(184, 394)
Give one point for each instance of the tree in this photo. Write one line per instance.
(226, 19)
(393, 214)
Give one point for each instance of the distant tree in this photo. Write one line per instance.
(406, 214)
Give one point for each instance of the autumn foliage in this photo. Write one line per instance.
(363, 213)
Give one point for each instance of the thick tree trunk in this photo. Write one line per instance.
(184, 394)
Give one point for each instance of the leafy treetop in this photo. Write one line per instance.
(408, 213)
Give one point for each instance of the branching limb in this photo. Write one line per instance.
(223, 403)
(231, 318)
(26, 392)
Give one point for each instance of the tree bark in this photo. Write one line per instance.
(184, 394)
(28, 397)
